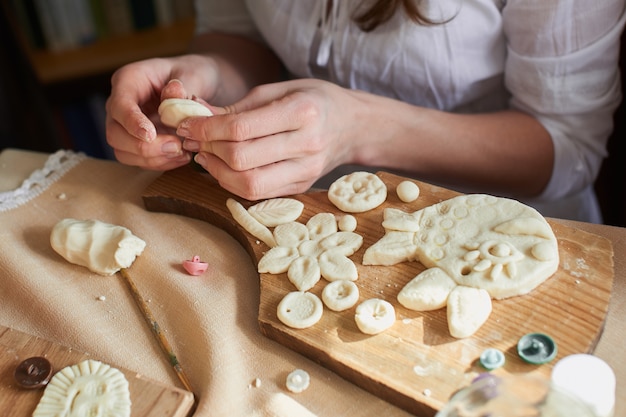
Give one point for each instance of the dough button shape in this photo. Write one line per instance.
(357, 192)
(87, 388)
(476, 241)
(374, 316)
(299, 309)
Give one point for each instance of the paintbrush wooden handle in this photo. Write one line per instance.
(156, 329)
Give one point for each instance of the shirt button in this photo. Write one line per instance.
(537, 348)
(33, 373)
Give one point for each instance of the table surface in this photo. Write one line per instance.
(17, 165)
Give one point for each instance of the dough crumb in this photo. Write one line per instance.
(256, 383)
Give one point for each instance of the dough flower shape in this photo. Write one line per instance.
(476, 247)
(307, 252)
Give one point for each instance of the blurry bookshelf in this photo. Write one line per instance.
(74, 46)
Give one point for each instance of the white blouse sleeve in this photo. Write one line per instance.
(562, 68)
(230, 16)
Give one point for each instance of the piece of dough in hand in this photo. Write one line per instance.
(173, 111)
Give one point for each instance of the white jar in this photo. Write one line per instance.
(590, 379)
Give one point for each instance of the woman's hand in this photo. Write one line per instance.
(279, 139)
(133, 128)
(282, 137)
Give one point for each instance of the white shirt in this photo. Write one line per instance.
(556, 60)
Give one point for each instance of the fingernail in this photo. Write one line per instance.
(191, 145)
(200, 159)
(146, 132)
(183, 130)
(170, 148)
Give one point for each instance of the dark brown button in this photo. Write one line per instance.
(33, 373)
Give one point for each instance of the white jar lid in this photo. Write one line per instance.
(590, 379)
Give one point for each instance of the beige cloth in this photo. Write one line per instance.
(211, 320)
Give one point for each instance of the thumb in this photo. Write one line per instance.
(260, 96)
(173, 89)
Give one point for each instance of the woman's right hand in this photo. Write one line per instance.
(133, 128)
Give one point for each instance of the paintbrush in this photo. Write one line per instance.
(156, 329)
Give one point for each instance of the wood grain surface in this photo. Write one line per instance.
(415, 364)
(149, 398)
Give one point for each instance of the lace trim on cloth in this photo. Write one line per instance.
(57, 165)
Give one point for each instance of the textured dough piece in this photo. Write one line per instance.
(467, 309)
(304, 272)
(291, 234)
(340, 295)
(407, 191)
(357, 192)
(321, 225)
(374, 316)
(277, 260)
(394, 247)
(252, 225)
(276, 211)
(480, 241)
(173, 111)
(87, 388)
(335, 266)
(395, 219)
(427, 291)
(299, 309)
(346, 243)
(101, 247)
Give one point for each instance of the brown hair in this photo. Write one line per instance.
(382, 10)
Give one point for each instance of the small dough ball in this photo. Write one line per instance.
(347, 223)
(173, 111)
(407, 191)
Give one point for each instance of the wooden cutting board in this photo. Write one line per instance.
(415, 364)
(149, 398)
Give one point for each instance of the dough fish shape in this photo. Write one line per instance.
(479, 241)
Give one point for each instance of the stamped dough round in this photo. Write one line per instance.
(300, 309)
(340, 295)
(374, 316)
(78, 389)
(357, 192)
